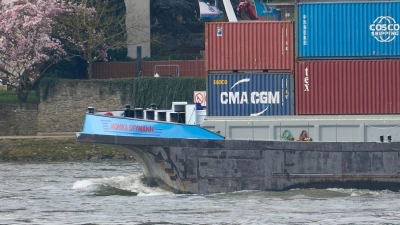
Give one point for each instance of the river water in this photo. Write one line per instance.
(112, 193)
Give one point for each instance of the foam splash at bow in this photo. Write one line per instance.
(121, 185)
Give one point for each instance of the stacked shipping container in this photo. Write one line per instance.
(330, 36)
(348, 87)
(252, 94)
(248, 46)
(250, 67)
(346, 62)
(344, 30)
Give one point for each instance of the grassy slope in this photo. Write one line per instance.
(56, 149)
(11, 97)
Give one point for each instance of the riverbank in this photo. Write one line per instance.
(56, 148)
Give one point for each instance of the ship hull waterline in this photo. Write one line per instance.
(196, 166)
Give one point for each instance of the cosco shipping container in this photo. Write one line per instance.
(245, 94)
(248, 46)
(348, 87)
(348, 30)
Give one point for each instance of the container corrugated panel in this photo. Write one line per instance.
(249, 46)
(245, 94)
(339, 87)
(348, 30)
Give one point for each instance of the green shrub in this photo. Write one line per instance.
(141, 92)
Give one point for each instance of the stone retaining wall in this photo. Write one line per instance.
(18, 119)
(62, 111)
(66, 104)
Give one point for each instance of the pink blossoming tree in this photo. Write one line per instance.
(35, 33)
(26, 46)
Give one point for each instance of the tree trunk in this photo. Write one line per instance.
(90, 70)
(22, 94)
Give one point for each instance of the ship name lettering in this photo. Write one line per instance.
(141, 128)
(134, 128)
(119, 126)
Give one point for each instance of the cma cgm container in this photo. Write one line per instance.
(262, 94)
(249, 46)
(348, 87)
(348, 30)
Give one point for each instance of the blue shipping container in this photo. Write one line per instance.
(245, 94)
(348, 30)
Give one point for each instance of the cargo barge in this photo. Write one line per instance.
(183, 151)
(311, 103)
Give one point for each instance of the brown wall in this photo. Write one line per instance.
(187, 68)
(18, 119)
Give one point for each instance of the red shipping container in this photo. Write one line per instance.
(245, 46)
(343, 87)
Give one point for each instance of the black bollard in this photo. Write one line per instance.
(127, 110)
(90, 110)
(381, 138)
(389, 138)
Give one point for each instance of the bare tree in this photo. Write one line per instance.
(92, 27)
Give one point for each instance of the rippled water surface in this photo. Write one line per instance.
(112, 193)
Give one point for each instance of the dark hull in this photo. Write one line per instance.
(214, 166)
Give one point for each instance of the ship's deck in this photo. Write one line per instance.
(320, 128)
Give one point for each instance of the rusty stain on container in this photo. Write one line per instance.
(339, 87)
(249, 46)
